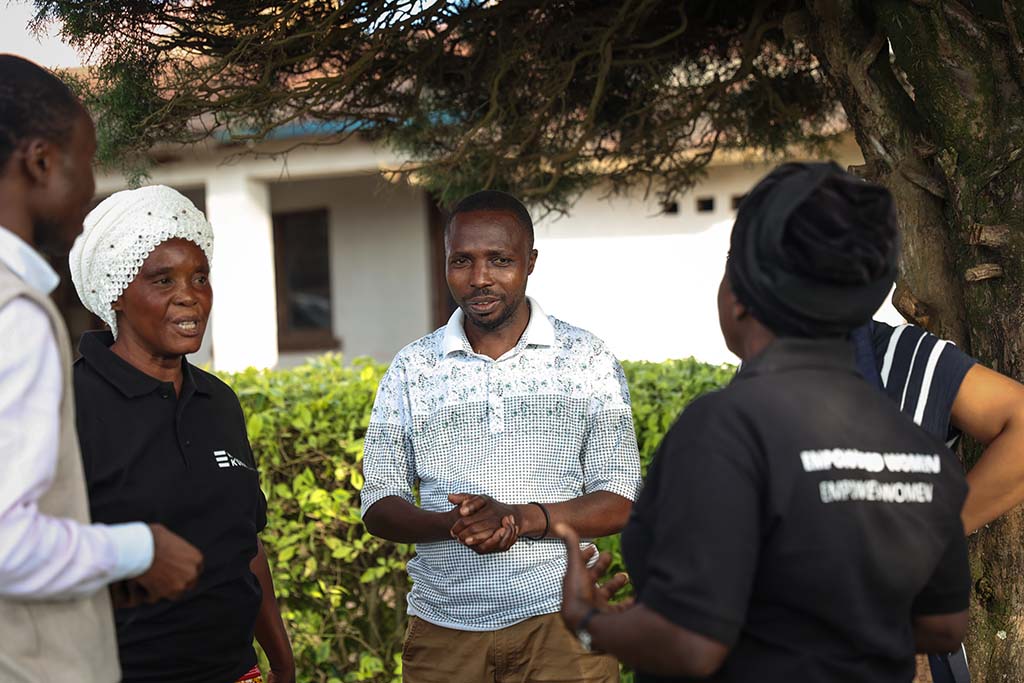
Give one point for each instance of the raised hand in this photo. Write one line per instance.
(605, 592)
(580, 588)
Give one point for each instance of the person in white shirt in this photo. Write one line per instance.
(47, 143)
(507, 421)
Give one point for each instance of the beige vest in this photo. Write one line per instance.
(57, 641)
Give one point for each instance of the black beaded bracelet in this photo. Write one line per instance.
(547, 523)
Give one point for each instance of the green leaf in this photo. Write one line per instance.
(303, 419)
(254, 426)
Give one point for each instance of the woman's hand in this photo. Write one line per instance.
(281, 675)
(581, 591)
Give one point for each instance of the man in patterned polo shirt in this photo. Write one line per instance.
(509, 421)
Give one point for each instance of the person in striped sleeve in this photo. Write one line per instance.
(948, 393)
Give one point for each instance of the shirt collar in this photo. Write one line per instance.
(790, 353)
(25, 262)
(539, 331)
(128, 379)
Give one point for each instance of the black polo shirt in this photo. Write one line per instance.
(800, 518)
(185, 462)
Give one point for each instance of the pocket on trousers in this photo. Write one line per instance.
(411, 632)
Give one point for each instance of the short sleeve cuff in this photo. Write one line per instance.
(691, 617)
(630, 490)
(261, 514)
(367, 498)
(133, 543)
(945, 603)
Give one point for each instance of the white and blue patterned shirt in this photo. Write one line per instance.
(549, 421)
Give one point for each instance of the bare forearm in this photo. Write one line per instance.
(997, 480)
(270, 631)
(939, 633)
(593, 515)
(398, 520)
(647, 641)
(990, 409)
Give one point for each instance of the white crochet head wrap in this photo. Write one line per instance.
(121, 232)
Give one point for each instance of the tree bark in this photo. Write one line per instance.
(940, 121)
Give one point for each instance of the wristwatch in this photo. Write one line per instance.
(582, 634)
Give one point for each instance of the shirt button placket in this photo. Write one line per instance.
(183, 443)
(495, 401)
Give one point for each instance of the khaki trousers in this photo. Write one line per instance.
(538, 649)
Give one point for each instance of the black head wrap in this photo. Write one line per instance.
(814, 250)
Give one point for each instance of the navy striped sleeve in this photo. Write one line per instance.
(921, 374)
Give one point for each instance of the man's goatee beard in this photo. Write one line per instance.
(496, 323)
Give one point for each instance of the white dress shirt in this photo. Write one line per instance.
(43, 557)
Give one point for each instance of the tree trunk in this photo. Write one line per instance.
(933, 92)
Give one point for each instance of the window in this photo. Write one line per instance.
(705, 204)
(737, 199)
(303, 274)
(670, 208)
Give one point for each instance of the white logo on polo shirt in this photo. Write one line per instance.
(225, 459)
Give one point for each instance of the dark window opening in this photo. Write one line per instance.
(705, 204)
(303, 275)
(737, 199)
(670, 208)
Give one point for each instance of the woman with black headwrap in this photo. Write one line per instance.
(794, 526)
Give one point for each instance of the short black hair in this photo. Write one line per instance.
(33, 104)
(493, 200)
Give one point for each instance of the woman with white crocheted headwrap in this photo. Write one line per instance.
(165, 442)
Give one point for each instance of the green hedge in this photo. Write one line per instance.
(342, 591)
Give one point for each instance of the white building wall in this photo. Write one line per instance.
(243, 325)
(379, 246)
(644, 281)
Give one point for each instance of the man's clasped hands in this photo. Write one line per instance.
(484, 524)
